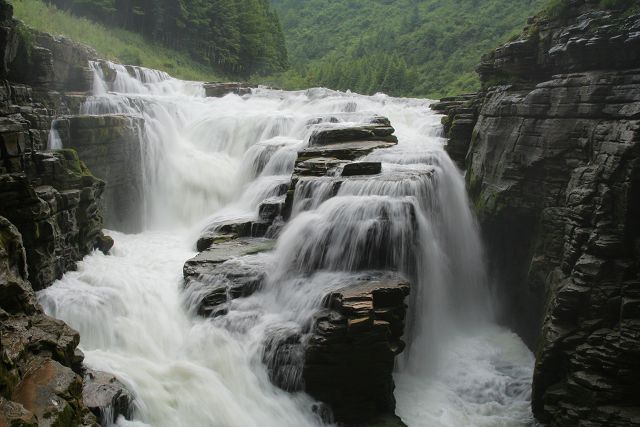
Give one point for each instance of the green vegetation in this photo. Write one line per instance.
(114, 44)
(242, 37)
(440, 42)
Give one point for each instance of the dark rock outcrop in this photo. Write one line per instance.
(55, 204)
(218, 90)
(553, 170)
(350, 354)
(361, 168)
(40, 59)
(461, 114)
(39, 381)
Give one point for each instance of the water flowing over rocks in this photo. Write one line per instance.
(552, 167)
(346, 357)
(106, 397)
(214, 276)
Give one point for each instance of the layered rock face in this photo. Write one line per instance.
(41, 60)
(553, 169)
(110, 147)
(54, 204)
(41, 371)
(51, 197)
(39, 381)
(350, 353)
(50, 217)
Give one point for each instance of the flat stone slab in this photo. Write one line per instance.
(318, 166)
(340, 134)
(222, 252)
(344, 150)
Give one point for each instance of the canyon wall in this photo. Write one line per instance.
(51, 216)
(551, 149)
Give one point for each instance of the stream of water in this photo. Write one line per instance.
(208, 160)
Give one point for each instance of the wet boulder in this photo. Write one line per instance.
(218, 90)
(51, 392)
(106, 397)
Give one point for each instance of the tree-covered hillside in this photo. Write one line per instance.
(404, 47)
(237, 36)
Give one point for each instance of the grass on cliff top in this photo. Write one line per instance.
(111, 43)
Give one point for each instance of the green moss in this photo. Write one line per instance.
(26, 39)
(75, 167)
(556, 9)
(68, 417)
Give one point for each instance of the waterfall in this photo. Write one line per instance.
(54, 142)
(211, 160)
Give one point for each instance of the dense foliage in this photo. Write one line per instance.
(430, 46)
(238, 36)
(114, 44)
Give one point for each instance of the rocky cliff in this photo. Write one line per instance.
(51, 215)
(551, 149)
(110, 147)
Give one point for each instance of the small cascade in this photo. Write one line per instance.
(226, 347)
(54, 142)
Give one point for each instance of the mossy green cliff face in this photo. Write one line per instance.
(553, 168)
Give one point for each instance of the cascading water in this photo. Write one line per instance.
(208, 161)
(54, 142)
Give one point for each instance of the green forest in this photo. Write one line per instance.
(400, 47)
(427, 47)
(239, 37)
